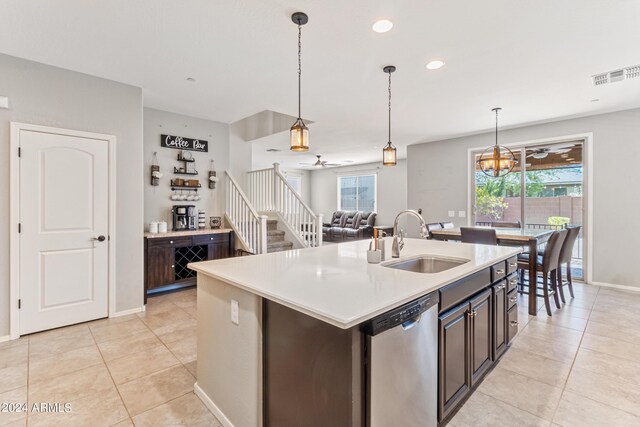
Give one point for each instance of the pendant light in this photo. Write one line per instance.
(497, 161)
(299, 131)
(389, 152)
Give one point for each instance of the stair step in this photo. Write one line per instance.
(279, 246)
(272, 224)
(275, 236)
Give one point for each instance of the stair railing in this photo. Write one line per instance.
(249, 226)
(269, 191)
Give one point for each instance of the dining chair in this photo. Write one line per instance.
(565, 258)
(446, 225)
(433, 226)
(547, 264)
(482, 236)
(506, 224)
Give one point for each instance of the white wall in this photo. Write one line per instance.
(157, 204)
(437, 177)
(50, 96)
(392, 189)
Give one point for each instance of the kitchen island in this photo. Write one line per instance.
(282, 337)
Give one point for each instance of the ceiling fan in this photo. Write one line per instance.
(541, 153)
(320, 163)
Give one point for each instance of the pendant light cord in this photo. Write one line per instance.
(389, 108)
(299, 68)
(497, 126)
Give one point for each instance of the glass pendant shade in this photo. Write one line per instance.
(389, 155)
(299, 136)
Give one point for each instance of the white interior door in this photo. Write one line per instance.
(64, 207)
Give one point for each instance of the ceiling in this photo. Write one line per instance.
(534, 59)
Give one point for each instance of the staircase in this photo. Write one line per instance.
(275, 238)
(272, 217)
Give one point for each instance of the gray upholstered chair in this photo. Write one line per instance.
(350, 227)
(481, 236)
(447, 225)
(433, 226)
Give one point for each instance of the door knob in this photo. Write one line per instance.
(100, 238)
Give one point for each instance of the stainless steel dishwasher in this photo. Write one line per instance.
(402, 365)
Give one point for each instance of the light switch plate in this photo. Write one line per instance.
(462, 214)
(452, 214)
(4, 102)
(235, 312)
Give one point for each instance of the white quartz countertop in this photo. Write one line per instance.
(334, 283)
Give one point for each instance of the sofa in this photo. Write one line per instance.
(349, 225)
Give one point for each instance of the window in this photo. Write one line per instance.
(295, 181)
(357, 193)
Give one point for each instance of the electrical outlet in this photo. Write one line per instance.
(452, 214)
(4, 102)
(235, 312)
(462, 214)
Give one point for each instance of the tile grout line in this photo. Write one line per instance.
(573, 362)
(111, 376)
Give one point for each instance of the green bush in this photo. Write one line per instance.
(558, 220)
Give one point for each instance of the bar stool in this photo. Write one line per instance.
(565, 258)
(482, 236)
(547, 264)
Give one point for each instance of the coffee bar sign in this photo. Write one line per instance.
(181, 143)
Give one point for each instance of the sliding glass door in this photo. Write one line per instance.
(545, 191)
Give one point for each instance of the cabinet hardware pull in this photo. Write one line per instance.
(171, 242)
(211, 238)
(172, 266)
(501, 271)
(513, 264)
(513, 322)
(513, 299)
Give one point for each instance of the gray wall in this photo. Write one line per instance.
(437, 177)
(392, 189)
(44, 95)
(157, 202)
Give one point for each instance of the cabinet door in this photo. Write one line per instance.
(499, 293)
(159, 266)
(481, 335)
(453, 364)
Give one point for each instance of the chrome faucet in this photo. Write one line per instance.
(397, 245)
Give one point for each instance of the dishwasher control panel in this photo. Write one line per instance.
(400, 315)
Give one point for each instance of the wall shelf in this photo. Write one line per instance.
(176, 171)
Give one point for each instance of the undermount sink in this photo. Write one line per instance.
(426, 264)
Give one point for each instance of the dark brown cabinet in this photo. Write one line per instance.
(454, 354)
(474, 333)
(499, 294)
(166, 258)
(481, 335)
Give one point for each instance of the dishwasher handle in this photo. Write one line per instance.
(408, 324)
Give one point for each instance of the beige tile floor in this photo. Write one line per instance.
(581, 367)
(134, 370)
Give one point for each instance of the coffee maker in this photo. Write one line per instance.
(185, 217)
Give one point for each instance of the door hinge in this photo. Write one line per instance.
(19, 151)
(19, 227)
(19, 304)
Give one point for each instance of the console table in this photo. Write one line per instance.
(166, 256)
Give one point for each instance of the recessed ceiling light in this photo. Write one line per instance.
(434, 65)
(191, 80)
(382, 26)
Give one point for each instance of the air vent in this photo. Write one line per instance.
(616, 76)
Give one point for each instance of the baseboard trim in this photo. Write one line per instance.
(212, 406)
(5, 338)
(616, 286)
(128, 312)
